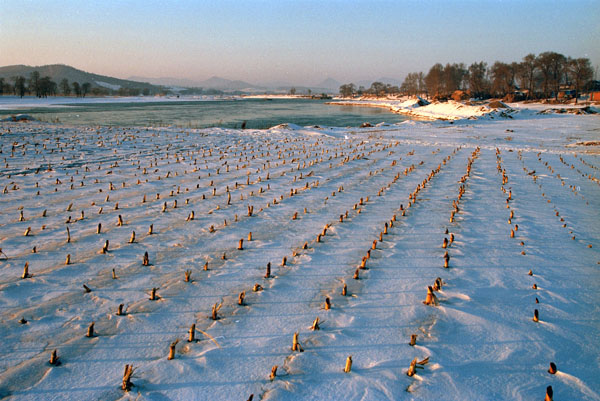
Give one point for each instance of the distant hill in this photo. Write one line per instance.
(58, 72)
(330, 84)
(218, 83)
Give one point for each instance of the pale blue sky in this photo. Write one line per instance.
(301, 42)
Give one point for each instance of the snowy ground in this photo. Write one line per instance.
(451, 110)
(419, 178)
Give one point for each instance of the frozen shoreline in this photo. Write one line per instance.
(452, 110)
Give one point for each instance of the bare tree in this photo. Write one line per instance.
(85, 89)
(434, 80)
(65, 87)
(34, 83)
(347, 90)
(477, 76)
(526, 73)
(580, 71)
(551, 66)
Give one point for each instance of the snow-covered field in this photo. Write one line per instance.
(511, 196)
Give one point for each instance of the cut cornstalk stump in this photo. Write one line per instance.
(105, 247)
(153, 296)
(412, 368)
(268, 272)
(549, 394)
(327, 303)
(86, 288)
(296, 344)
(188, 276)
(114, 274)
(146, 261)
(172, 350)
(241, 298)
(54, 359)
(215, 310)
(552, 370)
(26, 271)
(241, 245)
(315, 324)
(345, 290)
(90, 330)
(273, 373)
(127, 384)
(132, 238)
(68, 259)
(348, 366)
(413, 340)
(536, 315)
(192, 333)
(431, 299)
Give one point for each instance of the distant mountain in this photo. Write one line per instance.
(167, 81)
(330, 84)
(58, 72)
(367, 83)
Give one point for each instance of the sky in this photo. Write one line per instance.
(300, 42)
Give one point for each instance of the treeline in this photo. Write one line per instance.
(38, 86)
(535, 77)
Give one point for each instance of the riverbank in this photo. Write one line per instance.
(453, 110)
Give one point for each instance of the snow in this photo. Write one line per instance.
(453, 110)
(107, 85)
(480, 339)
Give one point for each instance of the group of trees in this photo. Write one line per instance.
(534, 77)
(43, 86)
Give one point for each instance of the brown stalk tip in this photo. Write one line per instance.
(273, 373)
(146, 260)
(126, 386)
(120, 311)
(172, 350)
(345, 290)
(413, 340)
(192, 333)
(536, 317)
(241, 245)
(412, 368)
(356, 274)
(315, 324)
(90, 330)
(241, 298)
(549, 394)
(251, 397)
(348, 366)
(530, 273)
(552, 370)
(327, 303)
(114, 274)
